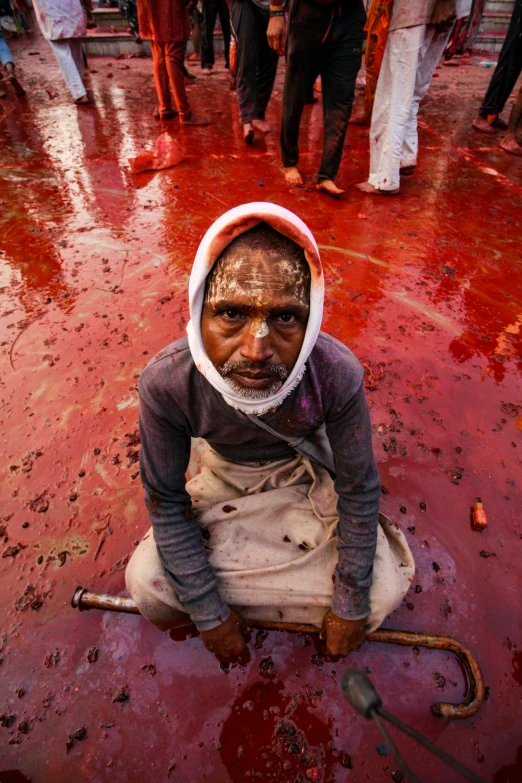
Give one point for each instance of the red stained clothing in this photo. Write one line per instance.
(163, 20)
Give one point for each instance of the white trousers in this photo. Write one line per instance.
(69, 54)
(410, 58)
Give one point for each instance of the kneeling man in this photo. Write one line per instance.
(282, 523)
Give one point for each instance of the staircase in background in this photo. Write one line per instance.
(495, 22)
(112, 38)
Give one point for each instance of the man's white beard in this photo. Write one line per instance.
(263, 395)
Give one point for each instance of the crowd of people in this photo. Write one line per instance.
(321, 40)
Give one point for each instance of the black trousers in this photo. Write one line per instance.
(211, 10)
(256, 61)
(508, 67)
(325, 41)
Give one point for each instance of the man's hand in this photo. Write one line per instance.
(226, 641)
(342, 636)
(276, 34)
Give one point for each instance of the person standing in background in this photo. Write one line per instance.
(419, 32)
(166, 24)
(377, 28)
(325, 40)
(211, 10)
(504, 78)
(6, 58)
(63, 23)
(256, 64)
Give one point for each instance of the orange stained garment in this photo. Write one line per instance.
(377, 27)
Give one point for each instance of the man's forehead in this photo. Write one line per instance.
(258, 273)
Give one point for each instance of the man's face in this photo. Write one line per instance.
(254, 320)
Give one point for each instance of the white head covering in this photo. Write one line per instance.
(219, 235)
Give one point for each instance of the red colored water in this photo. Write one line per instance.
(426, 289)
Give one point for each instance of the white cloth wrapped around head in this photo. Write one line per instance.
(220, 234)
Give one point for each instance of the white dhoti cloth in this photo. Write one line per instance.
(410, 58)
(69, 55)
(270, 532)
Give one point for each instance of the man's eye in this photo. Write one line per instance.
(231, 315)
(287, 318)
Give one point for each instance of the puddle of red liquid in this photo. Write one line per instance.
(275, 733)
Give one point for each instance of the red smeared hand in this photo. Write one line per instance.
(342, 636)
(227, 641)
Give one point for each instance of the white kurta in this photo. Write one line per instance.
(60, 19)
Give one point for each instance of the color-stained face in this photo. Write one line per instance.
(254, 319)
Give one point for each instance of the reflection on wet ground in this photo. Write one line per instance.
(426, 289)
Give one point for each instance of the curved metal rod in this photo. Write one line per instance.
(84, 599)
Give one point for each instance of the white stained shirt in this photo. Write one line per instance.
(410, 13)
(60, 18)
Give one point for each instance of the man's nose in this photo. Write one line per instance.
(256, 345)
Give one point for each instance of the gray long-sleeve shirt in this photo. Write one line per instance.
(177, 403)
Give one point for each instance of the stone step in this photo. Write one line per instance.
(488, 42)
(99, 42)
(496, 6)
(107, 18)
(495, 21)
(108, 44)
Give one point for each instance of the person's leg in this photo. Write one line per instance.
(302, 68)
(509, 142)
(245, 30)
(77, 55)
(266, 72)
(209, 8)
(430, 55)
(161, 80)
(506, 73)
(151, 589)
(341, 63)
(71, 76)
(174, 53)
(391, 110)
(224, 18)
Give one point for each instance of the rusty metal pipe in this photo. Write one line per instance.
(84, 599)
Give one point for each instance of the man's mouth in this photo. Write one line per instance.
(255, 379)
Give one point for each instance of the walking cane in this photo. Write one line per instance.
(84, 599)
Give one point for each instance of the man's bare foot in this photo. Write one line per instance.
(365, 187)
(194, 57)
(328, 186)
(407, 171)
(83, 100)
(481, 124)
(195, 119)
(361, 118)
(510, 144)
(262, 126)
(206, 71)
(292, 176)
(248, 132)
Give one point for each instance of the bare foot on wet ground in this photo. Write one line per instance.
(365, 187)
(293, 176)
(510, 144)
(328, 186)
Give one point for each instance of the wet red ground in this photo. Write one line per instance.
(427, 290)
